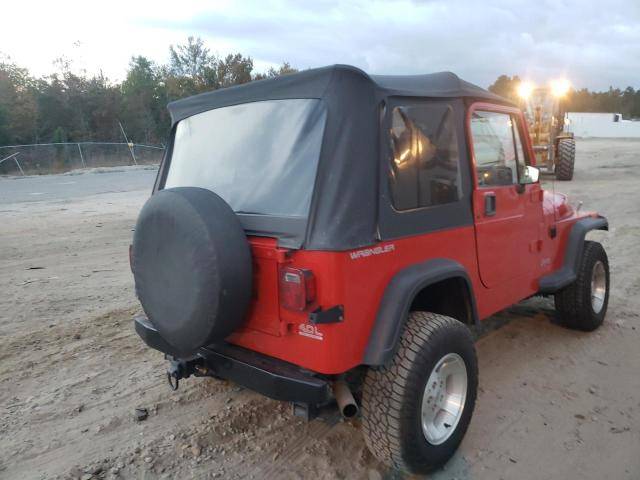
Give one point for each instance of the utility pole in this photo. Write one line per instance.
(129, 144)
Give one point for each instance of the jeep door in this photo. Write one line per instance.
(507, 204)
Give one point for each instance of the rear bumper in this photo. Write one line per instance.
(266, 375)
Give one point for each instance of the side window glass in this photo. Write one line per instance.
(424, 166)
(494, 149)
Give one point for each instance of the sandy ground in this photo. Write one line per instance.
(553, 403)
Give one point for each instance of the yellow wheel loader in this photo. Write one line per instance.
(544, 107)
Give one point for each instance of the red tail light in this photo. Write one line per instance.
(297, 288)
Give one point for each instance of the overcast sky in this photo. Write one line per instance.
(593, 43)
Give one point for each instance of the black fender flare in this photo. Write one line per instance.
(397, 299)
(566, 275)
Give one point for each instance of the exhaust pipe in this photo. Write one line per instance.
(346, 403)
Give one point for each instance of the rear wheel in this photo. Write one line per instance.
(566, 159)
(583, 304)
(417, 408)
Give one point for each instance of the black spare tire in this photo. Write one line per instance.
(192, 267)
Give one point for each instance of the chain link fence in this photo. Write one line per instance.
(47, 158)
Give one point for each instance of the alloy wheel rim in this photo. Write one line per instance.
(443, 399)
(598, 286)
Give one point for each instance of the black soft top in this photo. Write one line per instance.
(344, 207)
(315, 83)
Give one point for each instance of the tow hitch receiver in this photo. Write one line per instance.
(174, 373)
(179, 369)
(172, 377)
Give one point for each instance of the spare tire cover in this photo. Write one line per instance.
(192, 267)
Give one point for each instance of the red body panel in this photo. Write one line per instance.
(509, 240)
(504, 255)
(356, 280)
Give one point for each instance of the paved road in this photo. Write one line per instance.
(67, 186)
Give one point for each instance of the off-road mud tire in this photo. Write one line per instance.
(392, 394)
(574, 303)
(566, 159)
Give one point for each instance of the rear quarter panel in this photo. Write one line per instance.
(357, 280)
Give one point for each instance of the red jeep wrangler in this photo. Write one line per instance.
(330, 236)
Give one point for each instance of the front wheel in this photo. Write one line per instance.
(566, 159)
(416, 409)
(583, 304)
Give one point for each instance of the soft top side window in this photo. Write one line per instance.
(424, 168)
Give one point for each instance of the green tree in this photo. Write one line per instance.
(85, 106)
(506, 87)
(53, 110)
(635, 109)
(191, 59)
(143, 96)
(68, 105)
(233, 70)
(284, 69)
(5, 131)
(101, 108)
(17, 101)
(59, 136)
(191, 69)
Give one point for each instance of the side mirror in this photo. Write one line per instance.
(531, 175)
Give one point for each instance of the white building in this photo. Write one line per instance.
(603, 125)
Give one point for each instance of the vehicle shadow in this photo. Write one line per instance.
(530, 308)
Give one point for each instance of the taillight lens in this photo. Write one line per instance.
(297, 288)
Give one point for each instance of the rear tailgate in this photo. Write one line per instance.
(264, 313)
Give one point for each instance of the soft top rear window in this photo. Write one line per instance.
(260, 157)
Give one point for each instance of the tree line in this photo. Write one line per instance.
(71, 107)
(74, 107)
(614, 100)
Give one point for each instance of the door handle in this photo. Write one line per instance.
(489, 204)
